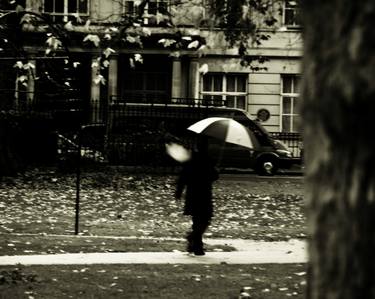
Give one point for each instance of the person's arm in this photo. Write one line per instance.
(215, 174)
(180, 184)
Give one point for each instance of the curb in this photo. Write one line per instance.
(243, 257)
(248, 252)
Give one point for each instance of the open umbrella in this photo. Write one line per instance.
(225, 129)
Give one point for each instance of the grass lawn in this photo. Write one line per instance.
(121, 204)
(38, 212)
(271, 281)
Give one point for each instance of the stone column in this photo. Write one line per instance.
(30, 95)
(194, 78)
(113, 78)
(176, 79)
(95, 92)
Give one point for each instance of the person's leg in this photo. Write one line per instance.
(190, 242)
(200, 224)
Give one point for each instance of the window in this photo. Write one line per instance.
(225, 89)
(152, 8)
(291, 14)
(146, 87)
(65, 10)
(149, 82)
(290, 119)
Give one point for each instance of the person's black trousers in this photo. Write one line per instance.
(195, 237)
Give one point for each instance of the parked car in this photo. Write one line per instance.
(136, 134)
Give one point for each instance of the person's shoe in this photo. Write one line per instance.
(190, 245)
(190, 248)
(199, 252)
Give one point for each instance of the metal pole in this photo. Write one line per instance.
(78, 182)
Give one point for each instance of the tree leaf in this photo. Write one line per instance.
(94, 38)
(203, 69)
(69, 26)
(138, 58)
(18, 64)
(130, 39)
(193, 44)
(146, 31)
(99, 79)
(167, 42)
(108, 51)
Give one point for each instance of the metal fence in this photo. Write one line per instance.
(136, 131)
(122, 133)
(293, 141)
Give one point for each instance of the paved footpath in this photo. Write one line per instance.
(247, 252)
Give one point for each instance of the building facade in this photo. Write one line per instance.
(155, 72)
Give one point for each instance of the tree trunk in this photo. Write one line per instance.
(338, 110)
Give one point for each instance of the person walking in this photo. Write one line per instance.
(197, 177)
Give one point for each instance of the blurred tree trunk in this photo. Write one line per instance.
(339, 111)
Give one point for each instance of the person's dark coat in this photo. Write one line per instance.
(197, 175)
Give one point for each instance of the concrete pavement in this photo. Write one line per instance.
(247, 252)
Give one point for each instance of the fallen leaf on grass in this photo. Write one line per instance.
(35, 203)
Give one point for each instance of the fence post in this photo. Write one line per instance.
(78, 182)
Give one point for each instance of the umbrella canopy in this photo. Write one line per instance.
(225, 129)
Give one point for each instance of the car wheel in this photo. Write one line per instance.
(267, 165)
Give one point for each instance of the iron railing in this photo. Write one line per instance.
(292, 140)
(156, 99)
(124, 130)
